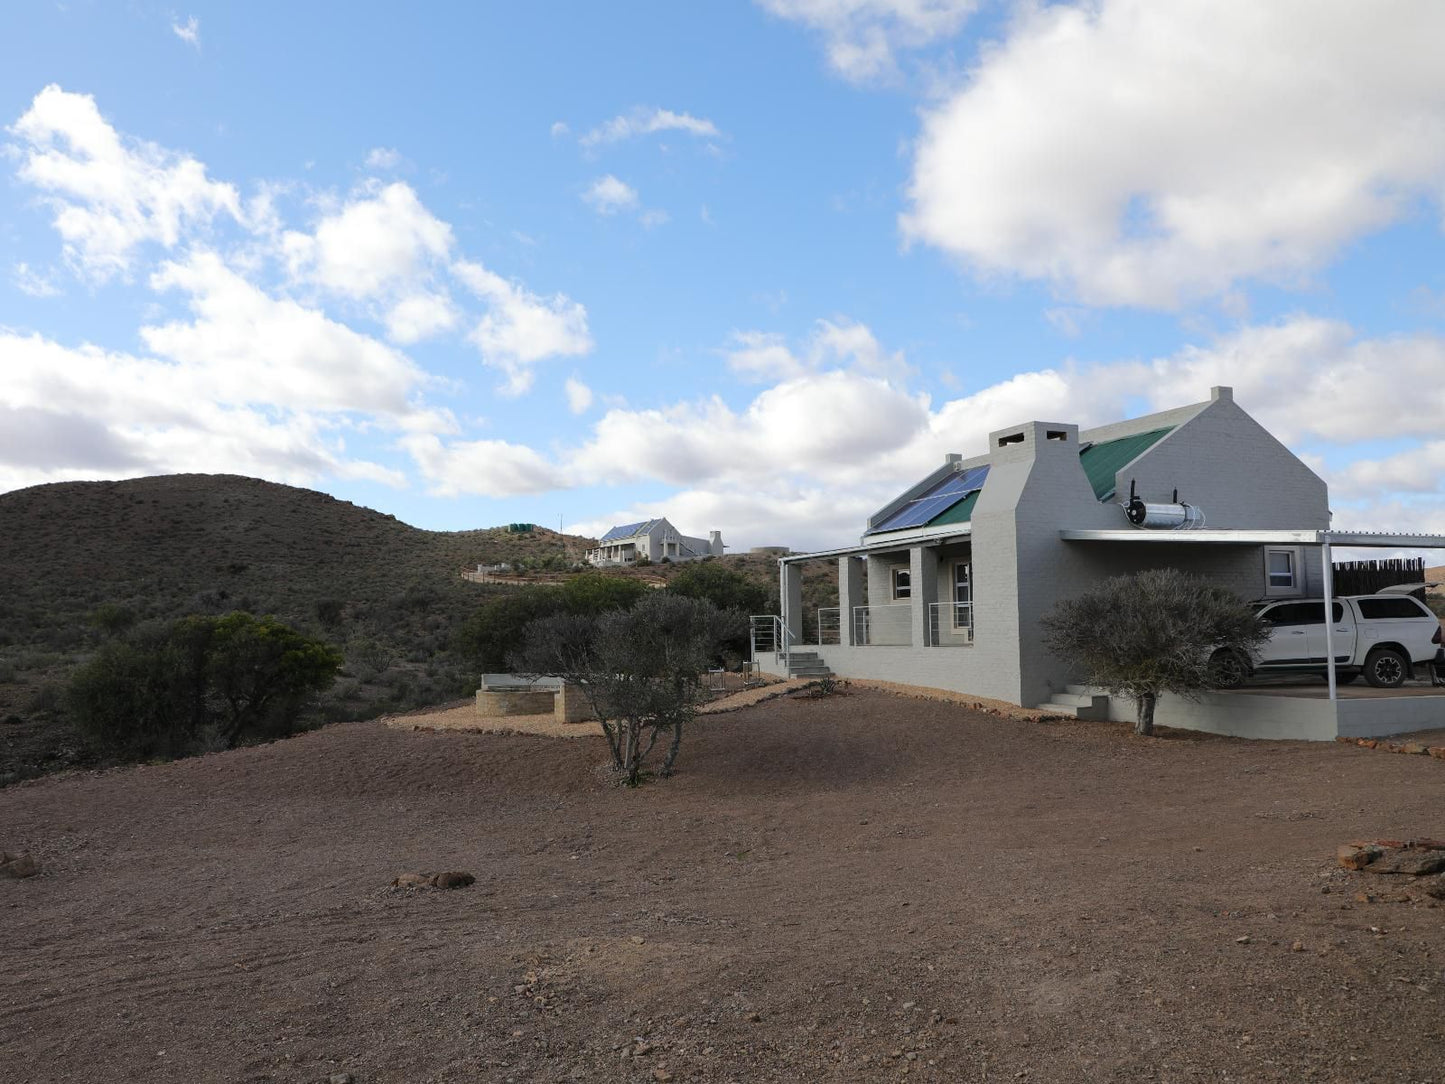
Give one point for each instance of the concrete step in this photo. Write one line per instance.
(1083, 690)
(1081, 700)
(1090, 712)
(804, 656)
(809, 671)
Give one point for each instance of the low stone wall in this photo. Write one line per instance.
(495, 703)
(572, 706)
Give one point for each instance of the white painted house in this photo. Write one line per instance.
(946, 586)
(654, 539)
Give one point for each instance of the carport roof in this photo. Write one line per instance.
(1249, 537)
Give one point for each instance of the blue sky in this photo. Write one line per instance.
(753, 266)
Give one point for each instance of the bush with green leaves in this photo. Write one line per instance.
(200, 681)
(1153, 632)
(498, 627)
(723, 587)
(641, 669)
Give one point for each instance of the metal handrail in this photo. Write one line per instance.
(768, 634)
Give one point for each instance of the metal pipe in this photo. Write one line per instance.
(1329, 579)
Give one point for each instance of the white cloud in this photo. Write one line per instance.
(189, 31)
(579, 396)
(126, 416)
(420, 316)
(645, 121)
(765, 357)
(243, 378)
(1137, 153)
(110, 196)
(607, 195)
(383, 158)
(863, 36)
(254, 348)
(522, 328)
(841, 434)
(379, 243)
(653, 217)
(383, 246)
(34, 283)
(1418, 470)
(559, 129)
(829, 425)
(490, 468)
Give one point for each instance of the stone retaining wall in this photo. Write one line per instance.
(501, 702)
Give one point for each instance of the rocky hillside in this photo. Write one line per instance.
(83, 560)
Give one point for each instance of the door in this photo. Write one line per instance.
(1344, 633)
(1291, 625)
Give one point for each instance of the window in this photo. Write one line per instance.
(962, 595)
(1279, 567)
(1374, 609)
(1298, 613)
(902, 584)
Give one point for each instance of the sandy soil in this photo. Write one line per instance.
(863, 888)
(462, 715)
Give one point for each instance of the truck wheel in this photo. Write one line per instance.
(1228, 669)
(1385, 668)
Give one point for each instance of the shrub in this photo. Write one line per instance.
(723, 587)
(112, 618)
(1152, 632)
(498, 628)
(640, 669)
(199, 681)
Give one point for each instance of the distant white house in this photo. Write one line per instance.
(654, 539)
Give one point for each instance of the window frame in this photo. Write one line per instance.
(1295, 554)
(902, 579)
(966, 566)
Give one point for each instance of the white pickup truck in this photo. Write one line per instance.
(1382, 636)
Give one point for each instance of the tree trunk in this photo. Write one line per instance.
(1144, 721)
(633, 758)
(668, 760)
(614, 742)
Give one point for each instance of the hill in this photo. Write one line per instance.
(83, 560)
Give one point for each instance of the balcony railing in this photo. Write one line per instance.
(950, 624)
(830, 625)
(883, 626)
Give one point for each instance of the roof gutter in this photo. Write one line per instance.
(958, 533)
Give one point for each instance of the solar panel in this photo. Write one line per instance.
(935, 501)
(627, 530)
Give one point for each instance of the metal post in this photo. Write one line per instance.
(1329, 579)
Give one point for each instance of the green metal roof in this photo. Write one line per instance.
(961, 512)
(1102, 461)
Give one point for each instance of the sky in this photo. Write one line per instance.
(754, 266)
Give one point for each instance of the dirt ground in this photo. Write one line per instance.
(863, 887)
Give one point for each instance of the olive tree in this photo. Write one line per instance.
(641, 669)
(1153, 632)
